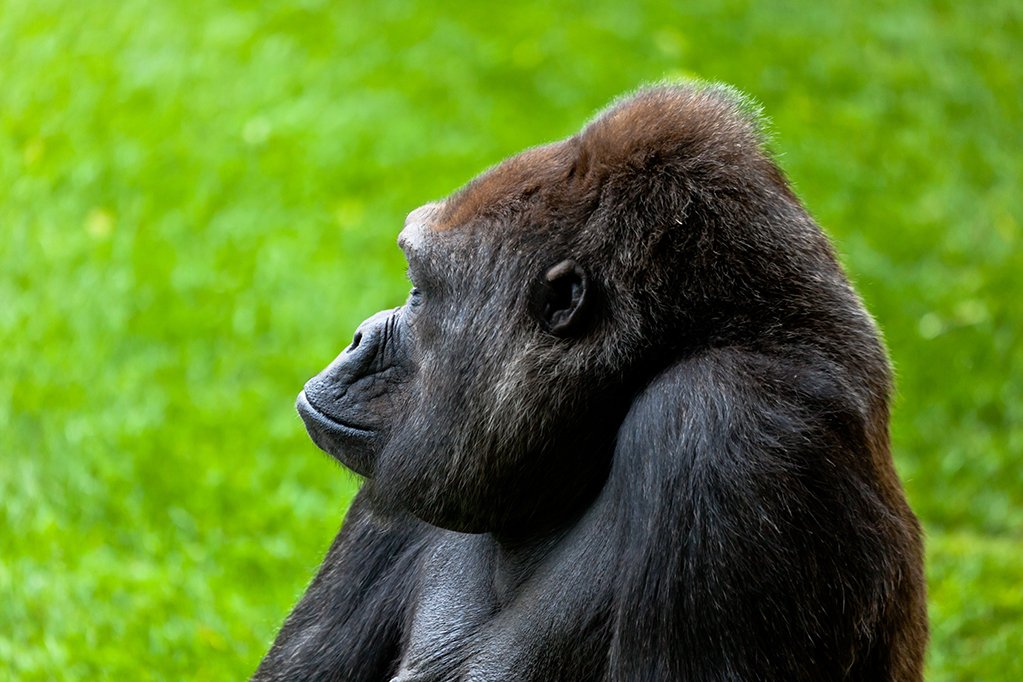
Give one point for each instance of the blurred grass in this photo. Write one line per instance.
(198, 202)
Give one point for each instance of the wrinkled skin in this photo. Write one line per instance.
(347, 407)
(631, 424)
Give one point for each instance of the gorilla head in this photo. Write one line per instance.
(553, 287)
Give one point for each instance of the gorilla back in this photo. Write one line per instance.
(631, 424)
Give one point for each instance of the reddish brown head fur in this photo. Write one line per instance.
(637, 132)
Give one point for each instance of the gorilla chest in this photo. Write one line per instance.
(481, 615)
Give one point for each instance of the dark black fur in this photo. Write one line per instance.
(631, 425)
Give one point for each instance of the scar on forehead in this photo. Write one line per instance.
(417, 223)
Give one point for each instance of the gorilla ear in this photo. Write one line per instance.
(560, 297)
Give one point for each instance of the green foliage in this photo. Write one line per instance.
(198, 202)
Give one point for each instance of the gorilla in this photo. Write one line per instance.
(631, 424)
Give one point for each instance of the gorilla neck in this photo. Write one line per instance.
(516, 560)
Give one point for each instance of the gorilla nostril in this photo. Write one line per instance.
(356, 341)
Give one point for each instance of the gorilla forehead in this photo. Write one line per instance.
(430, 251)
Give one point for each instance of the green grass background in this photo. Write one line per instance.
(199, 201)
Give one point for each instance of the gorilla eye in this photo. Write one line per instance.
(415, 296)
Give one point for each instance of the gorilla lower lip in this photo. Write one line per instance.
(315, 418)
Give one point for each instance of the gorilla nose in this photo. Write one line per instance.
(372, 331)
(369, 352)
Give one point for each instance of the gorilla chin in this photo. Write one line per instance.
(350, 445)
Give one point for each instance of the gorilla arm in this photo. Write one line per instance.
(756, 541)
(350, 624)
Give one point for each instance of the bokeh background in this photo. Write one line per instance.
(199, 202)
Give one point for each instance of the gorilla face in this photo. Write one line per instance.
(450, 402)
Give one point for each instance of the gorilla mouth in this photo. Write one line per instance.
(312, 415)
(333, 437)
